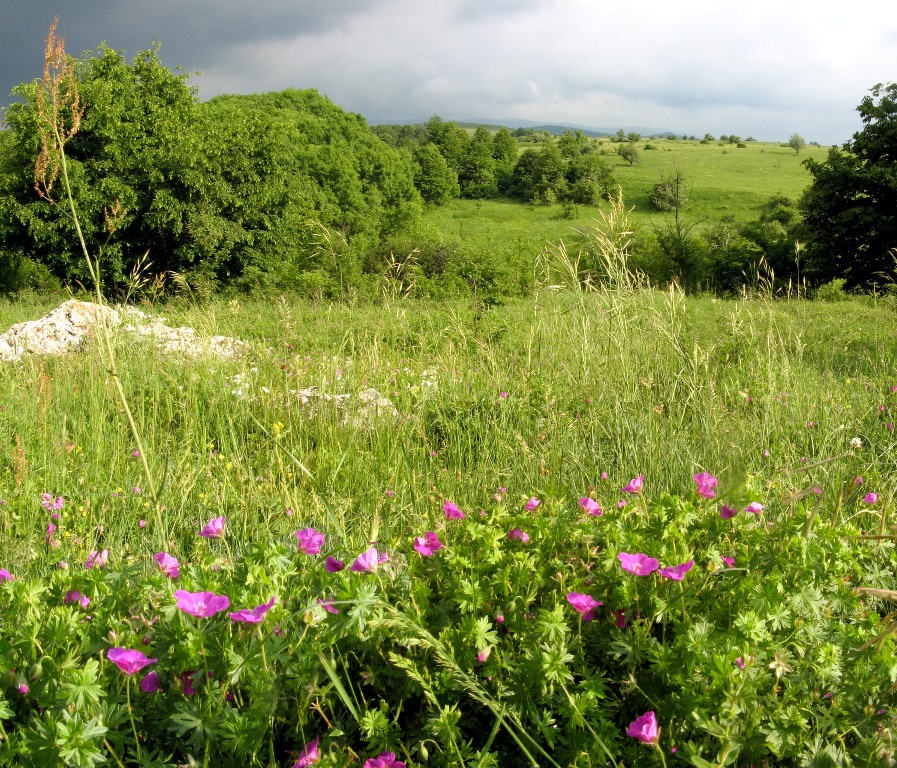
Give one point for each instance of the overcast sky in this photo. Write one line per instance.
(761, 68)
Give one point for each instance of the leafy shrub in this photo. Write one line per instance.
(831, 291)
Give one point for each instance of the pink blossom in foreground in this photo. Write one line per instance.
(384, 760)
(427, 544)
(150, 682)
(214, 529)
(50, 503)
(252, 615)
(729, 562)
(309, 755)
(590, 506)
(51, 529)
(201, 604)
(451, 511)
(644, 728)
(97, 559)
(755, 508)
(74, 596)
(726, 513)
(620, 617)
(532, 504)
(168, 565)
(677, 573)
(639, 564)
(366, 561)
(518, 534)
(634, 485)
(129, 661)
(327, 605)
(5, 575)
(333, 565)
(870, 498)
(584, 604)
(706, 483)
(310, 541)
(740, 662)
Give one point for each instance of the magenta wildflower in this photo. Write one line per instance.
(327, 605)
(5, 575)
(858, 480)
(23, 688)
(728, 561)
(740, 662)
(503, 395)
(726, 513)
(451, 511)
(332, 565)
(97, 559)
(366, 561)
(677, 573)
(51, 529)
(141, 524)
(584, 604)
(639, 564)
(150, 682)
(74, 596)
(518, 534)
(706, 483)
(310, 541)
(755, 508)
(201, 604)
(129, 661)
(532, 504)
(870, 498)
(167, 564)
(604, 475)
(309, 755)
(621, 503)
(644, 728)
(890, 426)
(590, 506)
(384, 760)
(214, 529)
(50, 503)
(427, 544)
(620, 619)
(484, 655)
(252, 615)
(634, 485)
(187, 680)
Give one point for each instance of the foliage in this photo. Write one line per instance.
(225, 190)
(629, 153)
(796, 142)
(849, 208)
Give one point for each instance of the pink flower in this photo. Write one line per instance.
(384, 760)
(584, 604)
(187, 680)
(640, 564)
(333, 565)
(706, 483)
(740, 662)
(634, 485)
(142, 524)
(214, 529)
(97, 559)
(727, 513)
(427, 544)
(644, 728)
(252, 615)
(5, 575)
(201, 604)
(74, 596)
(677, 573)
(532, 504)
(309, 755)
(451, 511)
(870, 498)
(150, 682)
(728, 561)
(503, 395)
(755, 508)
(621, 503)
(49, 503)
(310, 541)
(128, 661)
(620, 619)
(23, 688)
(518, 534)
(167, 564)
(590, 506)
(366, 561)
(51, 529)
(604, 475)
(327, 605)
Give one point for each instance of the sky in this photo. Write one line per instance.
(761, 68)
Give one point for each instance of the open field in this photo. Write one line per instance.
(454, 640)
(724, 181)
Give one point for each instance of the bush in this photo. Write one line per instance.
(831, 291)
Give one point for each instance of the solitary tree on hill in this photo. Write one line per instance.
(796, 142)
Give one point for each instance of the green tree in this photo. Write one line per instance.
(451, 140)
(796, 142)
(850, 207)
(504, 147)
(629, 153)
(477, 176)
(434, 179)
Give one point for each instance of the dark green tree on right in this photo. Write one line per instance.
(850, 208)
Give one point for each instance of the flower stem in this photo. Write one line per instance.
(131, 715)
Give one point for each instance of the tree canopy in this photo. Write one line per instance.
(850, 208)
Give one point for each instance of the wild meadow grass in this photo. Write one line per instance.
(460, 649)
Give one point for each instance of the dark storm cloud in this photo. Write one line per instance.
(193, 33)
